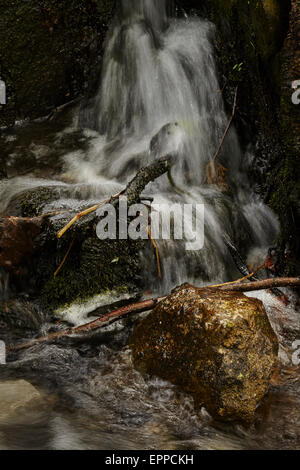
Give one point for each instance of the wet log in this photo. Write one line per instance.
(132, 191)
(144, 176)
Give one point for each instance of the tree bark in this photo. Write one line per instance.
(144, 176)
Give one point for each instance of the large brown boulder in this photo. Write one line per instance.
(218, 346)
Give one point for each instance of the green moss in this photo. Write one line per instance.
(89, 270)
(32, 201)
(68, 288)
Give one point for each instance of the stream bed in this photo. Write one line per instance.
(158, 93)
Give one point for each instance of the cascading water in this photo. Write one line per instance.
(158, 94)
(159, 73)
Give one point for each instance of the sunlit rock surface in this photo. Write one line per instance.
(218, 346)
(15, 397)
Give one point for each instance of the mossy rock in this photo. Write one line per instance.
(93, 266)
(217, 346)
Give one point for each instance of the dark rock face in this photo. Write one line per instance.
(17, 240)
(218, 346)
(19, 318)
(49, 49)
(285, 196)
(258, 47)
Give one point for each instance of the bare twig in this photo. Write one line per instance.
(241, 265)
(245, 278)
(156, 252)
(213, 174)
(64, 259)
(77, 217)
(228, 126)
(86, 212)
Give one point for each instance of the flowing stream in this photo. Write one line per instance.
(158, 94)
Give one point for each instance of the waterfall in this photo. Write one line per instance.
(158, 73)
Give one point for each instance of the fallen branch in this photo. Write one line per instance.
(147, 305)
(139, 307)
(264, 284)
(132, 191)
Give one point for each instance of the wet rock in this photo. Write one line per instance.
(31, 252)
(16, 396)
(3, 173)
(218, 346)
(17, 240)
(19, 317)
(50, 50)
(88, 265)
(54, 368)
(165, 140)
